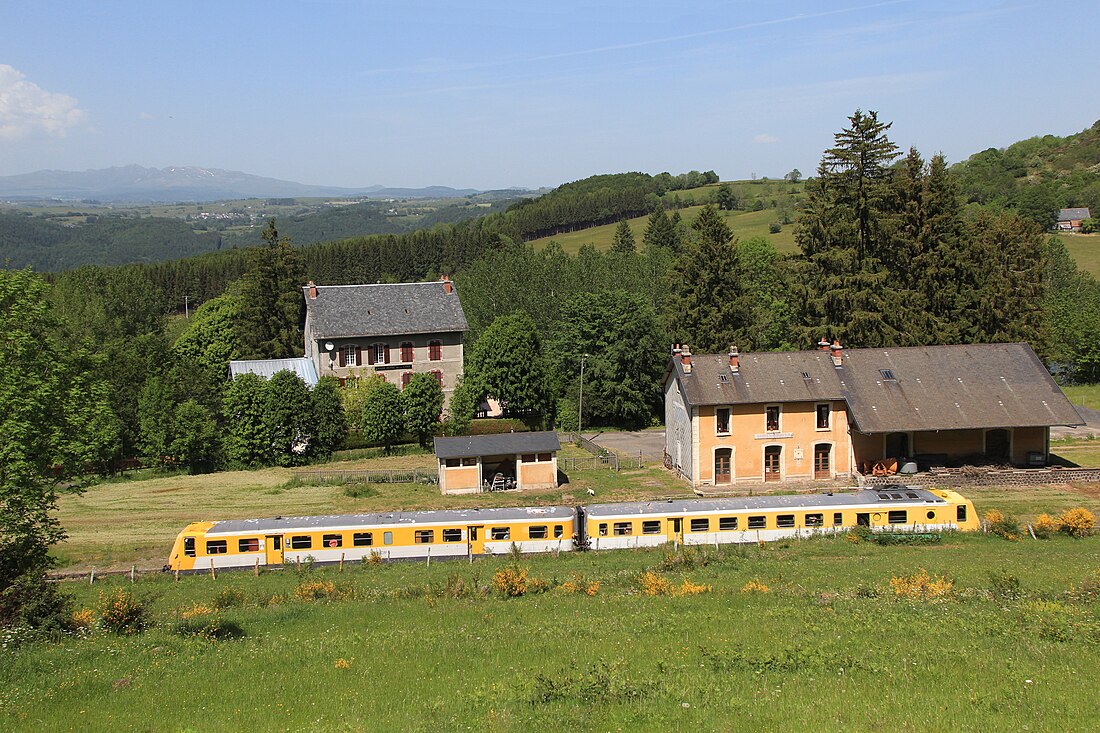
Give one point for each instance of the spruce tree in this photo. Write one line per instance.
(624, 239)
(660, 232)
(271, 300)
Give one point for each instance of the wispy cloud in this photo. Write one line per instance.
(146, 116)
(26, 107)
(765, 139)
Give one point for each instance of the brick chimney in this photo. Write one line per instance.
(676, 350)
(448, 287)
(823, 344)
(837, 353)
(685, 358)
(735, 360)
(312, 291)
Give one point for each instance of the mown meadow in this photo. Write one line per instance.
(972, 633)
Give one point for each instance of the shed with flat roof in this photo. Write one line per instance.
(475, 463)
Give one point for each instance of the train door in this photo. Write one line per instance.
(863, 519)
(273, 549)
(475, 540)
(676, 530)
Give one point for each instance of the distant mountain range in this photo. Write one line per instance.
(135, 184)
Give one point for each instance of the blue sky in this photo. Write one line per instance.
(489, 95)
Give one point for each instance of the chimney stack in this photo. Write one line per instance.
(837, 353)
(448, 288)
(685, 358)
(312, 291)
(823, 344)
(735, 360)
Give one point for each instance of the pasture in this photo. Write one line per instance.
(783, 637)
(1085, 250)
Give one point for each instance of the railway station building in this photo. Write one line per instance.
(833, 413)
(472, 464)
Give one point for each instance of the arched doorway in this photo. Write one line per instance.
(723, 460)
(998, 445)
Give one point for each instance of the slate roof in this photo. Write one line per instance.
(383, 310)
(933, 387)
(1073, 214)
(468, 446)
(268, 368)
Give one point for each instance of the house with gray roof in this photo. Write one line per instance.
(393, 330)
(473, 463)
(1069, 220)
(834, 412)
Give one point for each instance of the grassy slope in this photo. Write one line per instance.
(1085, 249)
(828, 648)
(745, 224)
(1086, 395)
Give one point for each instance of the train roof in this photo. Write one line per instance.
(881, 496)
(394, 519)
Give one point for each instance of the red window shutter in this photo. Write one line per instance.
(358, 355)
(405, 379)
(439, 375)
(370, 354)
(387, 354)
(340, 357)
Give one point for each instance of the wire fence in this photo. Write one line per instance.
(370, 475)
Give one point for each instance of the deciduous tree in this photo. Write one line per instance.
(247, 438)
(507, 363)
(331, 432)
(288, 411)
(423, 402)
(383, 419)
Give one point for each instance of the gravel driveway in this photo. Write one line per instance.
(650, 443)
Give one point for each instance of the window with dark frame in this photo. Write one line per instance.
(362, 539)
(248, 544)
(424, 536)
(544, 457)
(723, 420)
(897, 516)
(651, 526)
(823, 413)
(454, 462)
(960, 513)
(435, 350)
(888, 375)
(528, 458)
(623, 528)
(538, 532)
(726, 524)
(559, 531)
(189, 546)
(452, 534)
(500, 533)
(603, 529)
(217, 547)
(784, 520)
(758, 522)
(700, 524)
(301, 542)
(838, 518)
(771, 419)
(332, 541)
(815, 520)
(469, 461)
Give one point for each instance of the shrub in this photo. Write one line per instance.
(922, 586)
(230, 598)
(343, 663)
(775, 227)
(755, 586)
(1077, 522)
(511, 581)
(373, 559)
(1045, 526)
(83, 621)
(651, 583)
(580, 584)
(1002, 525)
(202, 620)
(122, 612)
(316, 590)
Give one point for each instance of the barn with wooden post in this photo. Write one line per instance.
(476, 463)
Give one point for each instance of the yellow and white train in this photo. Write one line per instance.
(470, 532)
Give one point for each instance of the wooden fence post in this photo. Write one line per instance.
(341, 562)
(133, 569)
(256, 567)
(91, 577)
(213, 575)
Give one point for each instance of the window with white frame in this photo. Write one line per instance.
(349, 356)
(379, 353)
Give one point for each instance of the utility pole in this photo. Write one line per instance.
(186, 307)
(580, 402)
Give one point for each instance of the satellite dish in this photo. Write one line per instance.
(329, 346)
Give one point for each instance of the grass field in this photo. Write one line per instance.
(1013, 644)
(1086, 395)
(1085, 249)
(745, 224)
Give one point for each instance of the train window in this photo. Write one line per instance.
(603, 529)
(815, 520)
(189, 546)
(301, 542)
(898, 516)
(758, 522)
(362, 539)
(931, 514)
(387, 538)
(216, 547)
(559, 531)
(538, 533)
(700, 524)
(248, 544)
(911, 495)
(838, 518)
(960, 513)
(500, 533)
(452, 535)
(624, 528)
(727, 523)
(333, 540)
(784, 520)
(424, 536)
(651, 526)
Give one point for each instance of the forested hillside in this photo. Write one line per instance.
(1036, 176)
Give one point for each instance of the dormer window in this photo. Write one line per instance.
(888, 375)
